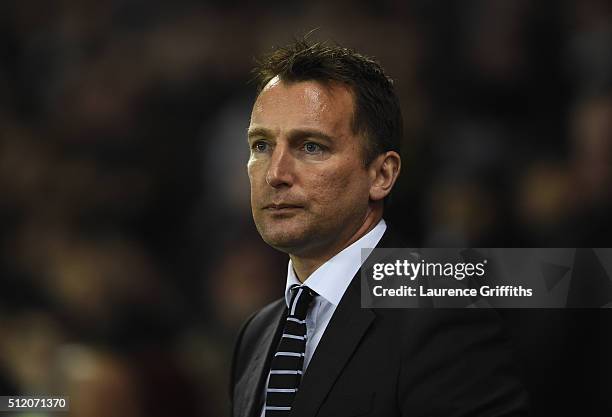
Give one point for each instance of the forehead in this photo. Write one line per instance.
(306, 103)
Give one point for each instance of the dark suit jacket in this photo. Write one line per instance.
(386, 362)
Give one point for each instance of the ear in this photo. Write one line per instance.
(383, 171)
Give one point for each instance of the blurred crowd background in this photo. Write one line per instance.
(128, 257)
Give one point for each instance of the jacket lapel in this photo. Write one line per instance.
(341, 338)
(251, 386)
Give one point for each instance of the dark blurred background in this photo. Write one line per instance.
(128, 257)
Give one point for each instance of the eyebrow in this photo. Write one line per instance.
(258, 131)
(293, 134)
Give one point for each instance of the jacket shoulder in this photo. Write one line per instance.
(249, 336)
(262, 318)
(251, 332)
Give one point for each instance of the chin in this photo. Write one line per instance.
(284, 239)
(283, 242)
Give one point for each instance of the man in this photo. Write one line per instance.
(324, 139)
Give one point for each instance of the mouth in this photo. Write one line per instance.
(282, 207)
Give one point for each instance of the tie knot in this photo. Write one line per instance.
(301, 297)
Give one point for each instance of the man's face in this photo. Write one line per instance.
(309, 186)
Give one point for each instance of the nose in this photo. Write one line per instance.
(280, 169)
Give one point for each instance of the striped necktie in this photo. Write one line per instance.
(288, 361)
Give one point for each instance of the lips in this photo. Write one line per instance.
(281, 206)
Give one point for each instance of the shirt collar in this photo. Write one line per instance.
(331, 279)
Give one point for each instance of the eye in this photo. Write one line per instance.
(311, 147)
(259, 146)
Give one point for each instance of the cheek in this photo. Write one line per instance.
(256, 191)
(338, 189)
(254, 172)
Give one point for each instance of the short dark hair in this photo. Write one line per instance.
(376, 112)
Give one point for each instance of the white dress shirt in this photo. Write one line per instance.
(329, 281)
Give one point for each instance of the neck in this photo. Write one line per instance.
(304, 266)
